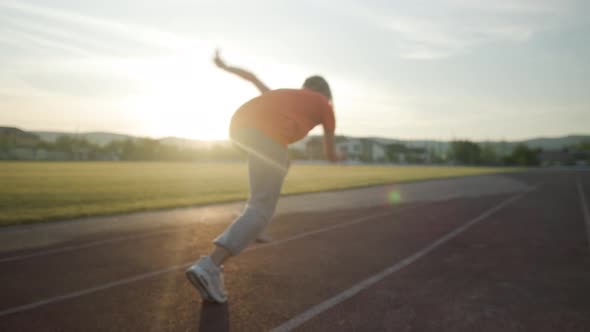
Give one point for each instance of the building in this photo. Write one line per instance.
(362, 149)
(401, 154)
(350, 149)
(377, 151)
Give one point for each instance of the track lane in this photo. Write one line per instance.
(270, 286)
(525, 269)
(249, 276)
(73, 274)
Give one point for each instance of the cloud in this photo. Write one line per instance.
(82, 85)
(68, 30)
(432, 30)
(62, 52)
(513, 6)
(50, 34)
(23, 39)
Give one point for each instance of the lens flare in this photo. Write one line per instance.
(395, 197)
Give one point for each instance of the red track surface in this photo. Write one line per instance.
(525, 267)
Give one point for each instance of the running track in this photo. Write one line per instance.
(500, 261)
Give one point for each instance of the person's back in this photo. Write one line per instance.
(285, 115)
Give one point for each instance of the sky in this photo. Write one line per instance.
(437, 69)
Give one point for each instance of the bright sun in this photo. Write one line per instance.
(184, 98)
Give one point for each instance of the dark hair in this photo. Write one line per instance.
(318, 84)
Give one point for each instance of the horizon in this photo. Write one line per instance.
(506, 70)
(348, 136)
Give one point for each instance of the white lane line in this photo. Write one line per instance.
(154, 274)
(584, 209)
(89, 245)
(91, 290)
(341, 297)
(330, 228)
(134, 237)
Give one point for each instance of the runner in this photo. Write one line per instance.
(264, 127)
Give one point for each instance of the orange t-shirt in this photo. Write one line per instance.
(285, 115)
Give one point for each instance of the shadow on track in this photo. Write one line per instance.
(214, 317)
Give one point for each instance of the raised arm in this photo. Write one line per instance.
(248, 76)
(329, 124)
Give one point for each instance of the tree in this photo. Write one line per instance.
(489, 156)
(4, 143)
(465, 152)
(522, 155)
(583, 146)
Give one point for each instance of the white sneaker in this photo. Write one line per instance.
(207, 278)
(264, 237)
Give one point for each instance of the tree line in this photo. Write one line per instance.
(462, 152)
(470, 153)
(77, 148)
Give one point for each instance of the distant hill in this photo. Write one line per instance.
(16, 132)
(98, 138)
(545, 143)
(556, 143)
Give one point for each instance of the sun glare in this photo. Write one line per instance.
(183, 97)
(187, 96)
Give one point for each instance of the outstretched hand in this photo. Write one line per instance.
(218, 61)
(248, 76)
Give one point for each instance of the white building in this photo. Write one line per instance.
(351, 149)
(355, 149)
(378, 152)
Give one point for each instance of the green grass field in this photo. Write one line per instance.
(34, 192)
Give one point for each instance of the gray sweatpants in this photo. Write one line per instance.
(267, 167)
